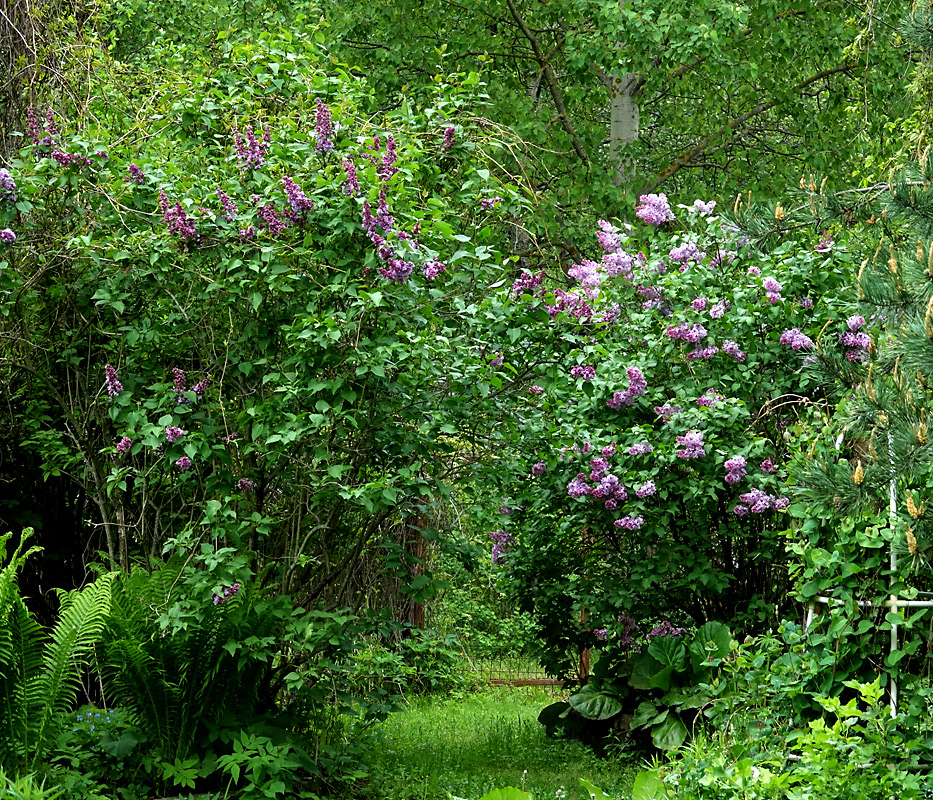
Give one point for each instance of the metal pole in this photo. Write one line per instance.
(893, 597)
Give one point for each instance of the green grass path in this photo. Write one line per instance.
(470, 744)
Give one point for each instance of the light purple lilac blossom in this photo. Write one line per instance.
(692, 444)
(173, 433)
(654, 209)
(323, 129)
(7, 236)
(640, 449)
(630, 523)
(124, 445)
(183, 464)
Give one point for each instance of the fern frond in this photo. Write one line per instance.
(70, 649)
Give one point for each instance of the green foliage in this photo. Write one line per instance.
(856, 751)
(660, 688)
(41, 671)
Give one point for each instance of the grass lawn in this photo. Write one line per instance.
(470, 744)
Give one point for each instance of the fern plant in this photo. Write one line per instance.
(178, 682)
(40, 670)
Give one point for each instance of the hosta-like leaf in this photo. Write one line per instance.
(670, 734)
(593, 704)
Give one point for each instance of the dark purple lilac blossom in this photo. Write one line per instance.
(183, 464)
(630, 523)
(489, 203)
(397, 271)
(665, 629)
(351, 186)
(245, 485)
(431, 269)
(448, 139)
(173, 433)
(7, 236)
(387, 169)
(300, 203)
(601, 634)
(667, 412)
(124, 445)
(227, 204)
(228, 592)
(539, 469)
(586, 373)
(112, 380)
(526, 282)
(323, 129)
(136, 174)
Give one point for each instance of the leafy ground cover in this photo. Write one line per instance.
(470, 744)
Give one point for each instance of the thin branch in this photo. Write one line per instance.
(556, 94)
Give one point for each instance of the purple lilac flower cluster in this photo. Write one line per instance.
(719, 310)
(654, 209)
(709, 398)
(247, 234)
(65, 159)
(856, 342)
(124, 445)
(586, 373)
(704, 209)
(689, 333)
(641, 449)
(527, 282)
(703, 352)
(758, 502)
(825, 244)
(647, 489)
(323, 129)
(448, 139)
(114, 387)
(667, 412)
(176, 219)
(692, 444)
(796, 340)
(665, 629)
(431, 269)
(637, 386)
(699, 304)
(228, 592)
(500, 547)
(136, 174)
(245, 485)
(805, 302)
(387, 168)
(300, 203)
(173, 433)
(688, 251)
(772, 289)
(351, 186)
(601, 634)
(183, 464)
(489, 203)
(7, 187)
(539, 469)
(608, 237)
(731, 348)
(251, 151)
(735, 469)
(7, 236)
(629, 628)
(229, 207)
(724, 258)
(768, 466)
(630, 523)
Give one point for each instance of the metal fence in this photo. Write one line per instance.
(511, 671)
